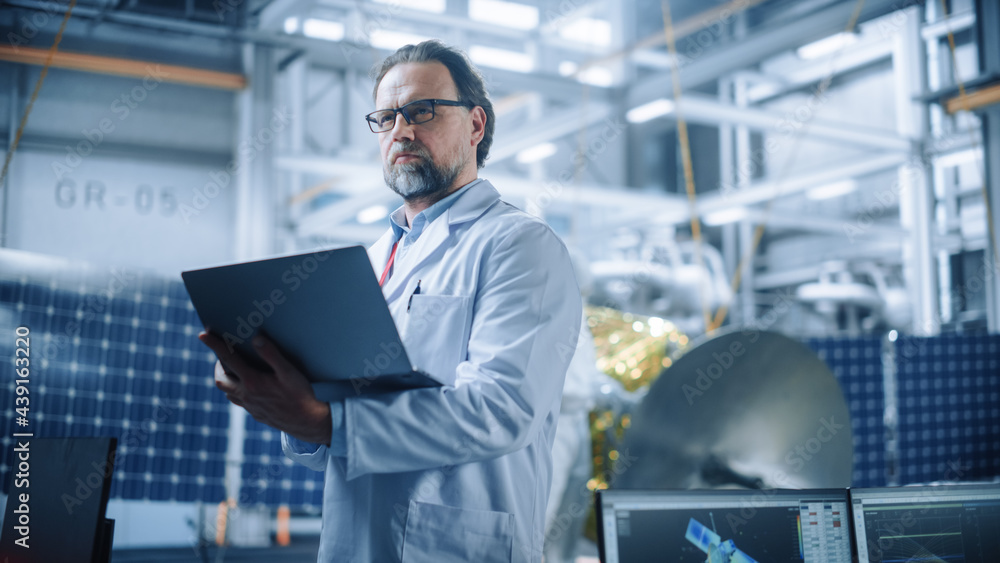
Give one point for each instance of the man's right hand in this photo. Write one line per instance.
(281, 397)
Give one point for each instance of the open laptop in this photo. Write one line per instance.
(731, 526)
(324, 310)
(949, 523)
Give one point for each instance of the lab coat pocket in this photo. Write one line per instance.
(437, 334)
(445, 534)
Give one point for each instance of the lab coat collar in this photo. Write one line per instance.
(479, 197)
(475, 201)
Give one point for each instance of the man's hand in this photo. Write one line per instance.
(281, 398)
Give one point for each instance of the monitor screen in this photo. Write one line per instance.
(943, 523)
(734, 526)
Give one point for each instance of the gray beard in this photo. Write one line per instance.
(420, 180)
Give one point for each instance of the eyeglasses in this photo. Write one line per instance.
(420, 111)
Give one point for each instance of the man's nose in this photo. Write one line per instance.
(401, 129)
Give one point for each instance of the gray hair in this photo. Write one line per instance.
(468, 80)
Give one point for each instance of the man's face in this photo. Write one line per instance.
(427, 160)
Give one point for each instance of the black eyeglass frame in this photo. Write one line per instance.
(411, 120)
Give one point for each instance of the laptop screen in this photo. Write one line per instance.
(739, 526)
(945, 523)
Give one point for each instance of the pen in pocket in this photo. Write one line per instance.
(415, 292)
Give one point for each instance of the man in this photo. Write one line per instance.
(485, 300)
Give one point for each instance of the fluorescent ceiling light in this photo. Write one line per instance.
(371, 214)
(651, 110)
(725, 216)
(392, 40)
(567, 68)
(291, 25)
(596, 76)
(536, 153)
(833, 190)
(433, 6)
(826, 46)
(501, 58)
(589, 31)
(323, 29)
(507, 14)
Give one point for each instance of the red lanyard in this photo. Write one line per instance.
(388, 265)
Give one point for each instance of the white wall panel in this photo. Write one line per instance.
(165, 217)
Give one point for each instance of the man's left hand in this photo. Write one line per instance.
(281, 398)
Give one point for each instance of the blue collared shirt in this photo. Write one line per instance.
(407, 235)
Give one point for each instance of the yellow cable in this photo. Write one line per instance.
(682, 132)
(720, 315)
(34, 94)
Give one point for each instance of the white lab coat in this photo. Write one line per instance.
(461, 472)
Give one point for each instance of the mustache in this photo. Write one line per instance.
(409, 147)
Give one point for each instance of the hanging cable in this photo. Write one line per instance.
(745, 261)
(689, 187)
(34, 94)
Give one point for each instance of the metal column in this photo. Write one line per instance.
(915, 196)
(988, 34)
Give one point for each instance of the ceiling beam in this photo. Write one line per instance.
(126, 67)
(982, 97)
(762, 44)
(567, 122)
(702, 109)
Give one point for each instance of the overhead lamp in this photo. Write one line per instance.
(830, 191)
(291, 25)
(567, 68)
(371, 214)
(725, 216)
(433, 6)
(651, 110)
(536, 153)
(589, 31)
(392, 40)
(507, 14)
(501, 58)
(596, 76)
(323, 29)
(826, 46)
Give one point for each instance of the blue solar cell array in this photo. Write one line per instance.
(119, 358)
(857, 365)
(949, 407)
(271, 478)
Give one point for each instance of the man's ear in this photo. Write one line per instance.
(478, 124)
